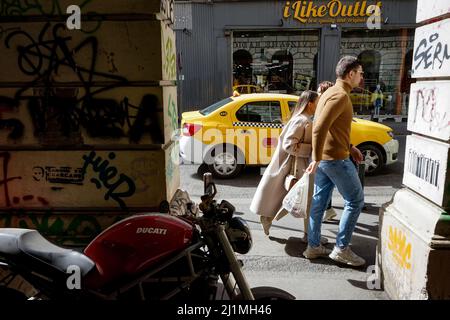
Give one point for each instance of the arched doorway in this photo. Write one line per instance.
(280, 71)
(371, 61)
(242, 68)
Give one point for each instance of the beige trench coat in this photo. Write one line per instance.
(295, 141)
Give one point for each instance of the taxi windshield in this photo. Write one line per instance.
(215, 106)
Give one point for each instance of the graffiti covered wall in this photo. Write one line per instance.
(430, 114)
(88, 117)
(78, 87)
(41, 190)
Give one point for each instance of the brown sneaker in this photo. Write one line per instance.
(317, 252)
(329, 215)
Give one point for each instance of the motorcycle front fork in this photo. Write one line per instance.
(235, 267)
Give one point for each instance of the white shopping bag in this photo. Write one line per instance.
(297, 201)
(181, 204)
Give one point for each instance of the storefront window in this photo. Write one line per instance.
(283, 62)
(387, 59)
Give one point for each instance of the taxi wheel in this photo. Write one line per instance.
(373, 158)
(226, 163)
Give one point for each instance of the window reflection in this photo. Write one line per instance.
(386, 57)
(279, 62)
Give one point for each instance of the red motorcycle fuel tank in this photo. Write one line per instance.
(134, 244)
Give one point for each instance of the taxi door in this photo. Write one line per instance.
(289, 109)
(258, 124)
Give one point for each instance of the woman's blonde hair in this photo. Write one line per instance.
(306, 97)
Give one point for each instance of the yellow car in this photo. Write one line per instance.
(247, 88)
(244, 130)
(363, 98)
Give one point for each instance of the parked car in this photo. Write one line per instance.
(247, 88)
(362, 98)
(243, 130)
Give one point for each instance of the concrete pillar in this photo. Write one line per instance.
(414, 248)
(413, 252)
(95, 140)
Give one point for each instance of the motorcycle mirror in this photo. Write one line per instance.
(208, 184)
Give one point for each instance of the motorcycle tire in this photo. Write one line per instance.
(269, 294)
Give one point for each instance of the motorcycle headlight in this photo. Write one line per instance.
(239, 235)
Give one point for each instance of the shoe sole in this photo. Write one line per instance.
(340, 260)
(310, 257)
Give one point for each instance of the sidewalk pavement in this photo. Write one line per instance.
(278, 262)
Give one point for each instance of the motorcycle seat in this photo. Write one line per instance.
(32, 243)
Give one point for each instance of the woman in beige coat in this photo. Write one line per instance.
(294, 142)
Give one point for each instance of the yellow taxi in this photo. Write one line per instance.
(247, 88)
(243, 130)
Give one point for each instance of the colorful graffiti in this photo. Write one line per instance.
(107, 173)
(170, 169)
(400, 248)
(173, 114)
(66, 228)
(170, 60)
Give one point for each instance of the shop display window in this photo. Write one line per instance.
(279, 62)
(386, 56)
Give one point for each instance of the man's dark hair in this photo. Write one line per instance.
(345, 65)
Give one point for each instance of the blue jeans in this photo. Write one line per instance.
(343, 175)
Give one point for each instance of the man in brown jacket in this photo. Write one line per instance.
(332, 165)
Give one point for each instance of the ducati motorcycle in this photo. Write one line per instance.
(156, 256)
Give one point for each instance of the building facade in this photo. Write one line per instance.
(291, 46)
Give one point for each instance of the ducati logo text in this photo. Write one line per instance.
(151, 230)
